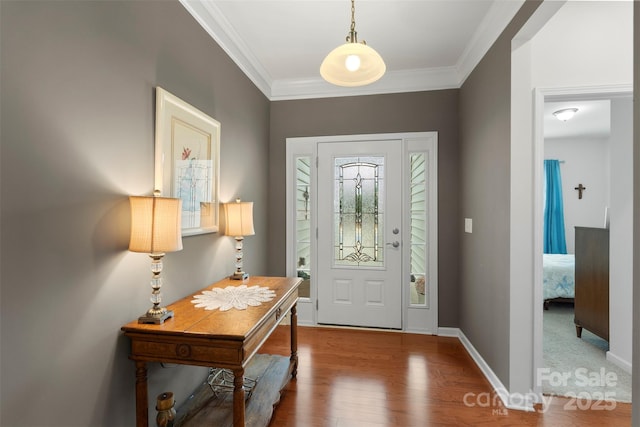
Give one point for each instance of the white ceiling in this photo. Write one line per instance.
(426, 44)
(593, 119)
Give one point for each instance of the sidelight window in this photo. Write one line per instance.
(419, 283)
(303, 223)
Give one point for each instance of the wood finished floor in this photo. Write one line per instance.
(355, 378)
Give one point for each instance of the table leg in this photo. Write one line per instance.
(238, 397)
(142, 401)
(294, 340)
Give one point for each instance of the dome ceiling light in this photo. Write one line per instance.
(565, 114)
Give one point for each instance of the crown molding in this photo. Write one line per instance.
(493, 24)
(208, 15)
(391, 82)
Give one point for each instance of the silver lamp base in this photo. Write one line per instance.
(239, 276)
(155, 318)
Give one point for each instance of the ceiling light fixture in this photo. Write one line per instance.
(565, 114)
(353, 63)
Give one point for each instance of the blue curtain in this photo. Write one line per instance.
(554, 238)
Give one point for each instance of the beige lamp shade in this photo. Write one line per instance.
(239, 217)
(352, 64)
(155, 224)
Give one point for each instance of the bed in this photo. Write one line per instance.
(558, 278)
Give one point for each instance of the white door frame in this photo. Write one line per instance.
(540, 96)
(414, 318)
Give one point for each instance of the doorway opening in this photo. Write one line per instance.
(538, 67)
(605, 160)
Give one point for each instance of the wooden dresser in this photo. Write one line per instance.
(592, 281)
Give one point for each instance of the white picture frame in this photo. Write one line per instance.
(187, 161)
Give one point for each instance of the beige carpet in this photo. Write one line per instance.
(577, 367)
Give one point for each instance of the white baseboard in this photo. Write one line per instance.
(516, 402)
(449, 332)
(619, 362)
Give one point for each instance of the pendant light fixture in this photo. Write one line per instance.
(353, 63)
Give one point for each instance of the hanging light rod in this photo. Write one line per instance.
(353, 63)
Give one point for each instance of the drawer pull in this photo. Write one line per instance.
(183, 350)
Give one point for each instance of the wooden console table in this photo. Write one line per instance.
(222, 339)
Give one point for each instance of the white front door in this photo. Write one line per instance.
(359, 275)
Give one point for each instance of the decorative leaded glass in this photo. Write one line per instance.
(359, 211)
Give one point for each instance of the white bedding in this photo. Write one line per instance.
(558, 276)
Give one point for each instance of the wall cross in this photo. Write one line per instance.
(580, 189)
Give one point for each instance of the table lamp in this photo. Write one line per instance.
(155, 229)
(239, 217)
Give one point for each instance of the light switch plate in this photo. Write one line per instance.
(468, 225)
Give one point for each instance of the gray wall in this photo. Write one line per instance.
(635, 386)
(485, 146)
(77, 114)
(77, 117)
(408, 112)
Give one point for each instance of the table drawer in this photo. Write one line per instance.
(259, 335)
(183, 351)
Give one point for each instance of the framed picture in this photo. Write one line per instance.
(187, 163)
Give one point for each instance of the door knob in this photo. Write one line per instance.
(394, 244)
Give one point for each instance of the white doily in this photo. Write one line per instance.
(238, 297)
